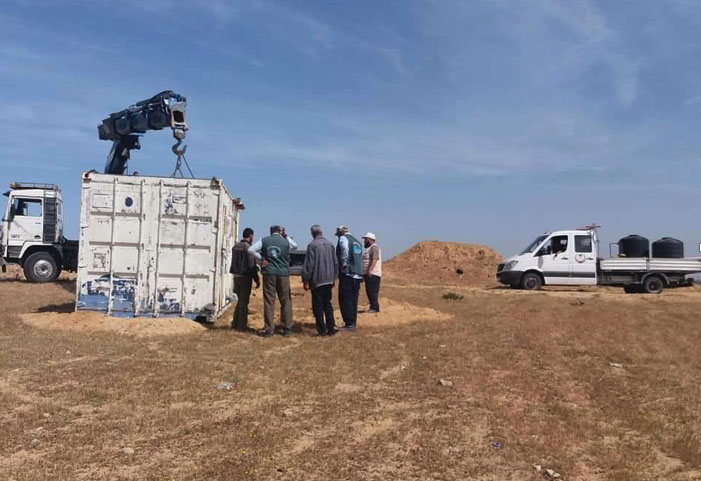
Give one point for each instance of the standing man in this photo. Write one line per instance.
(372, 271)
(350, 267)
(319, 274)
(274, 251)
(245, 271)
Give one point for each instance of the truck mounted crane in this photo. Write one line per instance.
(123, 128)
(31, 229)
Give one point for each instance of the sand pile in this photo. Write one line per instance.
(445, 263)
(89, 321)
(393, 313)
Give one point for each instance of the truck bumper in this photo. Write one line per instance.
(510, 278)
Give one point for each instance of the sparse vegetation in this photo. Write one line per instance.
(452, 296)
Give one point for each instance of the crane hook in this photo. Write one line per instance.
(176, 151)
(181, 158)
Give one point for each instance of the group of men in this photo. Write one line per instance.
(349, 262)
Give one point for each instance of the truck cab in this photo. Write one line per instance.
(565, 257)
(31, 232)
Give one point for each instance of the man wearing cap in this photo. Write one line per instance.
(319, 274)
(372, 271)
(350, 265)
(274, 251)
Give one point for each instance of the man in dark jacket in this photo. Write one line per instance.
(350, 267)
(245, 271)
(319, 275)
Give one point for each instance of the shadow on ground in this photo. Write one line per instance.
(58, 308)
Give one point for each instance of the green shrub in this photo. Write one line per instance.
(452, 296)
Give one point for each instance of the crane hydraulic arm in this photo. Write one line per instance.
(166, 109)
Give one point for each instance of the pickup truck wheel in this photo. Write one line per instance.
(41, 267)
(653, 285)
(531, 282)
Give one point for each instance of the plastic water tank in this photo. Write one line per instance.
(634, 246)
(669, 248)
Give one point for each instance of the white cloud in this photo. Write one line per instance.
(690, 102)
(594, 41)
(494, 145)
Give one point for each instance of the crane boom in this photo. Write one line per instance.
(166, 109)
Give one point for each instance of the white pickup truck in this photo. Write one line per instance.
(571, 258)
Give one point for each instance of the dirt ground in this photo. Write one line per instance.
(593, 384)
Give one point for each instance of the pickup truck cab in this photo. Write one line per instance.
(571, 258)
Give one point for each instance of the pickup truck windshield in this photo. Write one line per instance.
(534, 245)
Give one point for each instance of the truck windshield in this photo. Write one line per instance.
(534, 245)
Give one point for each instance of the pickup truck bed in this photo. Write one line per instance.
(639, 264)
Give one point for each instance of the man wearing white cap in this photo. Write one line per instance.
(372, 271)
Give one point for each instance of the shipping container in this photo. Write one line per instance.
(155, 246)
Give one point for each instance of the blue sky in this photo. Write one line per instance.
(484, 121)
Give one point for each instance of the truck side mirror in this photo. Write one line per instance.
(13, 212)
(545, 251)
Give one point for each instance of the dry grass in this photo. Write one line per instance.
(531, 371)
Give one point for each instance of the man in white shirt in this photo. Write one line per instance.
(372, 271)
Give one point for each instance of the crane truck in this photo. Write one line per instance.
(31, 232)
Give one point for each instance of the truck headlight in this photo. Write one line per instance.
(510, 265)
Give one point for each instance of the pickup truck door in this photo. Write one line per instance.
(584, 262)
(555, 260)
(26, 224)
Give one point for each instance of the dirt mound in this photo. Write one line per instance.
(445, 263)
(86, 321)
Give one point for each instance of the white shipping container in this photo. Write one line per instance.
(156, 246)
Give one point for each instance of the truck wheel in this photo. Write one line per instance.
(41, 267)
(653, 285)
(531, 282)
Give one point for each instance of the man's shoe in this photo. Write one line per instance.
(372, 311)
(286, 333)
(348, 328)
(264, 333)
(321, 334)
(332, 332)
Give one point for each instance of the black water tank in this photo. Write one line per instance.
(634, 246)
(668, 247)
